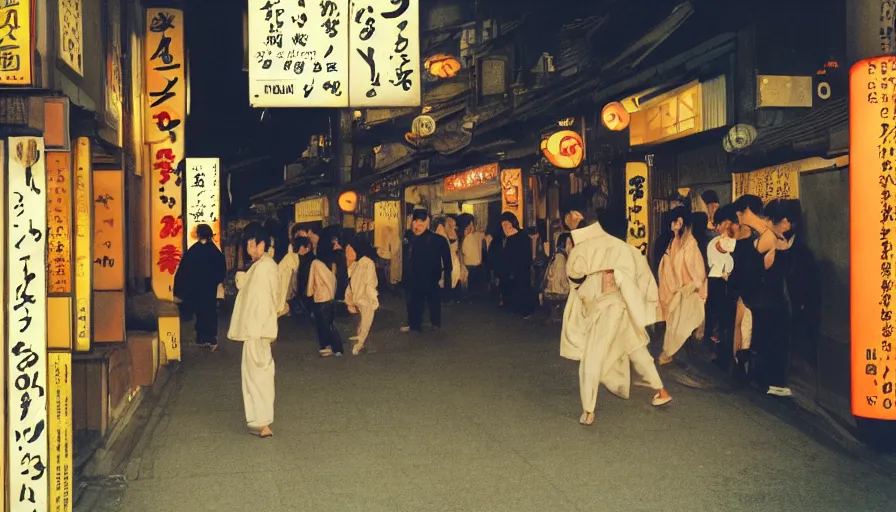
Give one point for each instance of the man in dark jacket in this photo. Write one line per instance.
(200, 272)
(427, 258)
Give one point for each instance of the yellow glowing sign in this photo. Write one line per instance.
(4, 170)
(471, 178)
(565, 149)
(636, 205)
(203, 198)
(16, 41)
(83, 244)
(59, 403)
(59, 331)
(59, 218)
(512, 192)
(776, 182)
(108, 244)
(169, 337)
(71, 35)
(872, 233)
(164, 116)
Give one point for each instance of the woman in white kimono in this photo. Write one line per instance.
(361, 296)
(683, 285)
(613, 298)
(254, 323)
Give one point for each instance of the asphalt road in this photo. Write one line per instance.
(481, 416)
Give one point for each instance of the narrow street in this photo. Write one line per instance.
(482, 416)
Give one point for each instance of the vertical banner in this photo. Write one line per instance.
(113, 93)
(16, 40)
(165, 113)
(108, 232)
(512, 199)
(60, 407)
(71, 35)
(83, 244)
(169, 337)
(3, 462)
(59, 219)
(299, 53)
(203, 197)
(385, 54)
(872, 234)
(26, 302)
(637, 211)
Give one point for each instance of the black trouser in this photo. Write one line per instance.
(721, 309)
(416, 299)
(771, 345)
(518, 295)
(206, 321)
(327, 334)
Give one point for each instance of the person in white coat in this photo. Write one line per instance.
(361, 296)
(254, 323)
(613, 298)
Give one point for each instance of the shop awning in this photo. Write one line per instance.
(815, 134)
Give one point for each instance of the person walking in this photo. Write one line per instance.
(361, 296)
(254, 323)
(196, 282)
(426, 261)
(322, 291)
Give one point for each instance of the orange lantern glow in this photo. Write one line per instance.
(564, 149)
(442, 66)
(615, 117)
(348, 201)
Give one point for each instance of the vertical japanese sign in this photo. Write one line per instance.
(59, 405)
(165, 112)
(385, 54)
(203, 197)
(113, 92)
(26, 302)
(298, 53)
(3, 172)
(59, 219)
(108, 242)
(71, 35)
(83, 245)
(512, 192)
(169, 336)
(872, 191)
(636, 206)
(15, 42)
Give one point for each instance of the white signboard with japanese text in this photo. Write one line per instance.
(385, 54)
(298, 53)
(71, 35)
(26, 303)
(334, 53)
(203, 197)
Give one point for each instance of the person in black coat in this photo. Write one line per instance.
(426, 258)
(196, 282)
(515, 271)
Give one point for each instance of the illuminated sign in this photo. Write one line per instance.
(59, 403)
(26, 303)
(169, 336)
(59, 219)
(775, 182)
(512, 192)
(471, 178)
(203, 197)
(311, 210)
(872, 233)
(298, 54)
(164, 114)
(441, 65)
(83, 244)
(71, 35)
(564, 149)
(3, 461)
(108, 232)
(16, 43)
(385, 54)
(636, 205)
(348, 201)
(615, 117)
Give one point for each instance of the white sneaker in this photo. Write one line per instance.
(778, 391)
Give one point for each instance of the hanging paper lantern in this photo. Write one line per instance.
(564, 149)
(348, 201)
(442, 66)
(615, 117)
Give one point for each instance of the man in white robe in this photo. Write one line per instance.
(254, 323)
(613, 298)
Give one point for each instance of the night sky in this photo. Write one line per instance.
(221, 122)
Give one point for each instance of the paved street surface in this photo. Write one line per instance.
(479, 417)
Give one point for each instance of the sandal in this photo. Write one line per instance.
(264, 432)
(586, 419)
(660, 400)
(663, 360)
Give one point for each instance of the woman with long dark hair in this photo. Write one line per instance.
(361, 296)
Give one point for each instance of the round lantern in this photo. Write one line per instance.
(615, 117)
(442, 66)
(564, 149)
(423, 126)
(348, 201)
